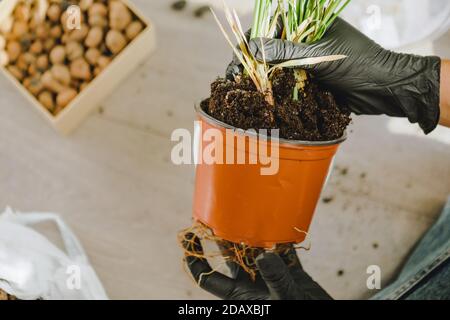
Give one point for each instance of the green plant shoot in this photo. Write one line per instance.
(264, 25)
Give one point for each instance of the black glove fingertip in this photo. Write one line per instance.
(191, 242)
(232, 71)
(269, 264)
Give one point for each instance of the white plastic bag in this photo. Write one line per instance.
(400, 23)
(31, 267)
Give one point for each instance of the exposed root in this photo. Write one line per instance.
(300, 246)
(241, 254)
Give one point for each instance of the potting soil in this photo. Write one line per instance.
(315, 116)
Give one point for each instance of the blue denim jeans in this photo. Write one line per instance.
(426, 274)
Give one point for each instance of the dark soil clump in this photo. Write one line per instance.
(315, 116)
(179, 5)
(201, 11)
(327, 199)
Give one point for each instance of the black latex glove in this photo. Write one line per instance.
(235, 67)
(371, 80)
(280, 277)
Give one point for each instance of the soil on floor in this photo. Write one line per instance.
(315, 116)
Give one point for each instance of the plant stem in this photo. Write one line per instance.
(295, 94)
(301, 77)
(306, 21)
(256, 19)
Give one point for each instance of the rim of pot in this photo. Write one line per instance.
(214, 121)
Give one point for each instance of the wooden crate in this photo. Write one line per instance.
(101, 86)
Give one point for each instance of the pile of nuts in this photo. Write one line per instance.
(55, 61)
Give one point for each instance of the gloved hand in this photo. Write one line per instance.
(280, 277)
(371, 80)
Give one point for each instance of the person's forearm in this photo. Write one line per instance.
(445, 93)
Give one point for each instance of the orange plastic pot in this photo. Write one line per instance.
(242, 206)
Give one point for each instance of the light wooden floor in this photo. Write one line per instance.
(113, 182)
